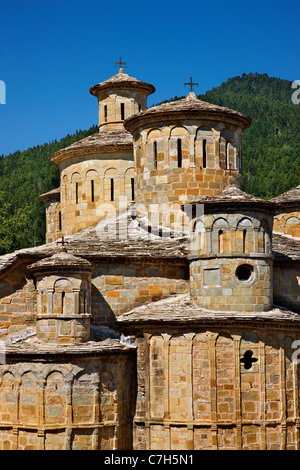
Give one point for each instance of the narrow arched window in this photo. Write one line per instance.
(112, 190)
(155, 154)
(63, 302)
(105, 113)
(204, 152)
(244, 240)
(59, 220)
(226, 155)
(122, 111)
(76, 192)
(132, 189)
(92, 191)
(179, 153)
(221, 241)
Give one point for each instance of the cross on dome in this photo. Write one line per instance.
(191, 84)
(120, 63)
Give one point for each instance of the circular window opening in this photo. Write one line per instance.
(244, 272)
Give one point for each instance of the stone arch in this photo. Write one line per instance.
(154, 149)
(292, 221)
(49, 368)
(84, 392)
(178, 375)
(227, 149)
(204, 147)
(92, 186)
(272, 377)
(112, 186)
(9, 388)
(198, 239)
(292, 226)
(105, 108)
(129, 184)
(264, 241)
(63, 296)
(220, 236)
(179, 147)
(56, 399)
(108, 394)
(29, 398)
(244, 240)
(225, 376)
(64, 188)
(76, 188)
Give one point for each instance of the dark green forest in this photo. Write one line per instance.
(271, 156)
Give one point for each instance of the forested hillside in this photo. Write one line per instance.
(271, 156)
(271, 150)
(24, 176)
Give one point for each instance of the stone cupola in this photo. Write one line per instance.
(97, 173)
(120, 97)
(287, 218)
(63, 284)
(185, 149)
(231, 261)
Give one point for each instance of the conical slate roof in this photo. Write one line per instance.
(62, 259)
(191, 105)
(290, 197)
(99, 142)
(232, 194)
(122, 80)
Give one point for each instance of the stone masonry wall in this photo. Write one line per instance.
(119, 287)
(216, 286)
(287, 286)
(288, 223)
(165, 180)
(18, 301)
(87, 195)
(226, 389)
(74, 405)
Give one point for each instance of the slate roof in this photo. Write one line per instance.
(181, 309)
(290, 197)
(127, 236)
(233, 195)
(192, 105)
(98, 142)
(121, 80)
(54, 194)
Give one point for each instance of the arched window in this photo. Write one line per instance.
(221, 241)
(155, 154)
(245, 236)
(179, 153)
(204, 152)
(204, 147)
(220, 236)
(179, 146)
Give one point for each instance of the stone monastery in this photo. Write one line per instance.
(163, 310)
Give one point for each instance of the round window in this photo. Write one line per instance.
(244, 272)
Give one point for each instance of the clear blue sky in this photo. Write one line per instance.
(53, 51)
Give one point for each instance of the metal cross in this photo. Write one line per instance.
(63, 242)
(120, 63)
(191, 84)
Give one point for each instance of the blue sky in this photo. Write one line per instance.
(53, 51)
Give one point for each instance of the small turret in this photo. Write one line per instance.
(231, 262)
(63, 284)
